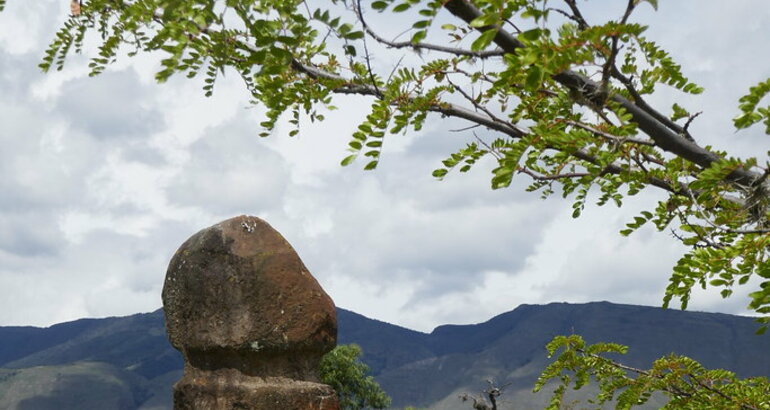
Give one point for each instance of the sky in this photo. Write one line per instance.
(102, 179)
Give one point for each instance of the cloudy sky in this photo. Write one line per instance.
(101, 179)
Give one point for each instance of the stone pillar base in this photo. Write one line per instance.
(228, 389)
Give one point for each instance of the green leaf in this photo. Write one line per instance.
(484, 20)
(418, 36)
(354, 35)
(401, 7)
(348, 160)
(679, 112)
(371, 165)
(534, 78)
(379, 5)
(717, 282)
(440, 173)
(748, 106)
(484, 40)
(355, 145)
(531, 35)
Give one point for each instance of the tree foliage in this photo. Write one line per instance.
(565, 101)
(566, 97)
(686, 383)
(349, 377)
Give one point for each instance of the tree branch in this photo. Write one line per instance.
(668, 388)
(422, 46)
(665, 138)
(640, 101)
(447, 109)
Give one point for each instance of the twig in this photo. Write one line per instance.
(515, 27)
(577, 15)
(685, 132)
(702, 213)
(484, 109)
(423, 46)
(491, 150)
(366, 49)
(539, 177)
(615, 139)
(470, 127)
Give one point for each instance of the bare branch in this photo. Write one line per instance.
(563, 13)
(685, 130)
(577, 15)
(366, 54)
(609, 65)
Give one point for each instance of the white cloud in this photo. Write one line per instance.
(27, 25)
(102, 179)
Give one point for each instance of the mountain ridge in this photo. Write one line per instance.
(134, 357)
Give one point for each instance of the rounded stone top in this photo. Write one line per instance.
(240, 286)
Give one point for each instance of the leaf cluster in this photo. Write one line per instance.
(342, 369)
(683, 381)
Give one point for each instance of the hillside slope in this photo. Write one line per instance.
(509, 348)
(131, 365)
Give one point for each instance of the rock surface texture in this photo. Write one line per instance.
(250, 320)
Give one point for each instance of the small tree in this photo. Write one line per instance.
(342, 369)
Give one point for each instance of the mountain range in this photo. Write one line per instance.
(127, 362)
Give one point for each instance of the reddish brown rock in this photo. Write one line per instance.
(250, 320)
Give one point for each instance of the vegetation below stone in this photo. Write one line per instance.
(127, 362)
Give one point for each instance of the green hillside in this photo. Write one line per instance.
(81, 385)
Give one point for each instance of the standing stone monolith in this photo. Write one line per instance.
(250, 320)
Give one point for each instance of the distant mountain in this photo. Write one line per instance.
(112, 363)
(509, 348)
(127, 362)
